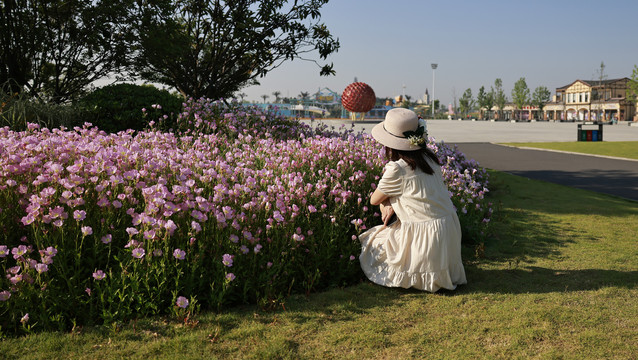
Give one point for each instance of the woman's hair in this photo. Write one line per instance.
(416, 159)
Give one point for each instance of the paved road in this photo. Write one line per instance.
(476, 139)
(605, 175)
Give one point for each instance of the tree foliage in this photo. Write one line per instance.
(214, 48)
(485, 100)
(499, 96)
(54, 49)
(466, 102)
(520, 93)
(632, 86)
(540, 97)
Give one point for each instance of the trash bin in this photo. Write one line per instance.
(590, 132)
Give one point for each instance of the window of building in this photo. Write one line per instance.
(580, 97)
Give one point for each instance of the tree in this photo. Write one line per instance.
(214, 48)
(632, 88)
(54, 49)
(540, 97)
(265, 97)
(276, 95)
(466, 102)
(499, 96)
(455, 108)
(485, 100)
(599, 94)
(520, 94)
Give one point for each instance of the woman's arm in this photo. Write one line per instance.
(378, 197)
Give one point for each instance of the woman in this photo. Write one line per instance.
(423, 248)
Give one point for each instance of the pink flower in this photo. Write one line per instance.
(25, 318)
(99, 275)
(4, 251)
(227, 260)
(149, 234)
(19, 251)
(138, 253)
(170, 226)
(40, 268)
(157, 252)
(4, 295)
(106, 239)
(87, 230)
(179, 254)
(230, 277)
(182, 302)
(79, 215)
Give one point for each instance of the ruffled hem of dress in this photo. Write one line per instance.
(431, 281)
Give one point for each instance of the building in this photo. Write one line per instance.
(582, 100)
(591, 100)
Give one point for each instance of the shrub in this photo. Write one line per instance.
(121, 107)
(110, 227)
(18, 110)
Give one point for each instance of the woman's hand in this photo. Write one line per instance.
(386, 212)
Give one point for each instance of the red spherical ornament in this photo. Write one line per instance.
(358, 97)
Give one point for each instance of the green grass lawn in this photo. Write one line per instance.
(558, 280)
(625, 149)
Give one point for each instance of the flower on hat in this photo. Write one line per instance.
(417, 137)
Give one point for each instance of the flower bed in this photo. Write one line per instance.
(238, 206)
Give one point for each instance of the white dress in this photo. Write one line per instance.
(422, 249)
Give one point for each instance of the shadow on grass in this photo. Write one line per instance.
(543, 280)
(621, 183)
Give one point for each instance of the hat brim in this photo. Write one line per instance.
(385, 138)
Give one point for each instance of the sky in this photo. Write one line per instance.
(390, 44)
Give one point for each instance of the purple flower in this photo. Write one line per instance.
(170, 226)
(87, 230)
(50, 251)
(179, 254)
(132, 231)
(149, 234)
(182, 302)
(244, 250)
(257, 248)
(40, 268)
(79, 215)
(234, 238)
(25, 318)
(99, 275)
(106, 239)
(88, 291)
(4, 251)
(157, 252)
(352, 257)
(138, 253)
(227, 260)
(19, 251)
(4, 295)
(230, 276)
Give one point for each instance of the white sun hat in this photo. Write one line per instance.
(401, 130)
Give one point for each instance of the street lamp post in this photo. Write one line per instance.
(434, 66)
